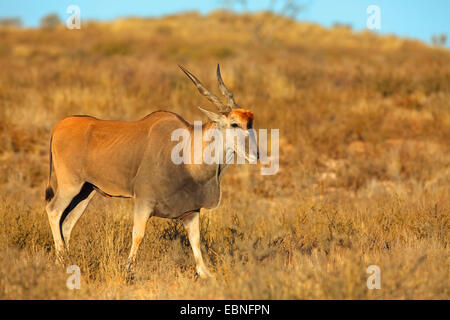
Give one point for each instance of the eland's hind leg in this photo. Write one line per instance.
(55, 209)
(75, 210)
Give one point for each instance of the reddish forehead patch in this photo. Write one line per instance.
(242, 114)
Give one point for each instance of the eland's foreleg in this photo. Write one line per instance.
(142, 211)
(192, 226)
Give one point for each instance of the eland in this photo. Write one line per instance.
(132, 159)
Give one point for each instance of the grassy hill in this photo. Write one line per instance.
(364, 158)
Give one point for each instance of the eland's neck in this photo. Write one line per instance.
(200, 170)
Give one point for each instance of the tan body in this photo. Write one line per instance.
(132, 160)
(138, 164)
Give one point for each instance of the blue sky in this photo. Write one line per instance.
(413, 19)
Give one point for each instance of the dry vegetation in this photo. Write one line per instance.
(364, 159)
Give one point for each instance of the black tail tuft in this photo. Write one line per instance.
(49, 194)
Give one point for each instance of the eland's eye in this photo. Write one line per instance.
(235, 125)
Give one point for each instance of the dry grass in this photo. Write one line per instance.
(364, 160)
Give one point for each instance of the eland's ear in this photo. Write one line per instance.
(216, 117)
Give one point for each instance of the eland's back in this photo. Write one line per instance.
(109, 154)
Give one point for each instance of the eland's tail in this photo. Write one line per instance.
(49, 194)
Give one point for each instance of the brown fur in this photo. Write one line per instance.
(242, 114)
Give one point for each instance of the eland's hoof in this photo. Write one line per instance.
(129, 273)
(204, 274)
